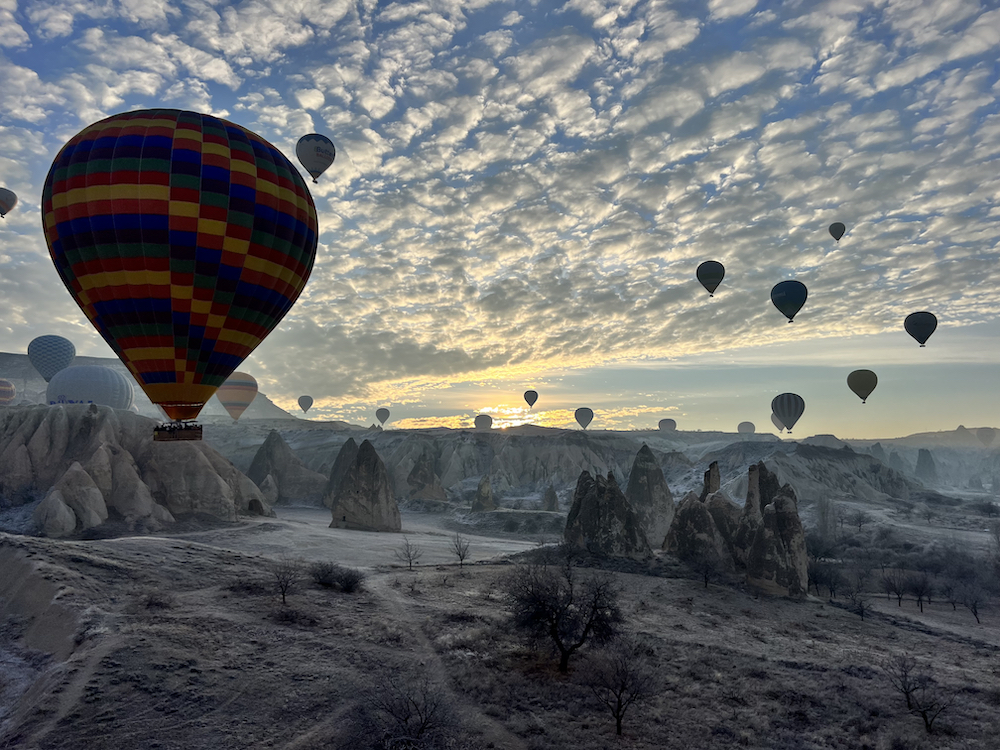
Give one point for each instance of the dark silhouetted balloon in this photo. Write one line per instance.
(668, 425)
(862, 382)
(584, 416)
(484, 422)
(777, 422)
(316, 152)
(710, 274)
(837, 230)
(7, 201)
(50, 354)
(7, 392)
(920, 325)
(788, 407)
(305, 403)
(91, 384)
(746, 428)
(236, 394)
(531, 397)
(788, 297)
(381, 415)
(986, 435)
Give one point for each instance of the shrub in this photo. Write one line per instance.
(331, 575)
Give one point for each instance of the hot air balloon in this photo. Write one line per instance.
(316, 152)
(91, 384)
(986, 435)
(7, 392)
(381, 415)
(184, 238)
(531, 397)
(237, 393)
(484, 422)
(862, 382)
(746, 428)
(305, 403)
(667, 425)
(777, 422)
(920, 325)
(710, 274)
(837, 230)
(50, 354)
(788, 407)
(584, 416)
(7, 201)
(788, 297)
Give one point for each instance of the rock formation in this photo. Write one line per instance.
(295, 483)
(602, 522)
(364, 499)
(483, 501)
(650, 496)
(550, 501)
(693, 535)
(711, 483)
(345, 459)
(878, 452)
(422, 482)
(777, 561)
(926, 469)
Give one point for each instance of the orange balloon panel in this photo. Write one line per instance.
(237, 393)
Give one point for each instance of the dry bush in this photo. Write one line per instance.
(331, 575)
(412, 711)
(623, 675)
(158, 600)
(286, 572)
(292, 616)
(924, 697)
(249, 587)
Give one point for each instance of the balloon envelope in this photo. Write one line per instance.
(986, 435)
(584, 416)
(668, 425)
(316, 152)
(746, 428)
(484, 422)
(50, 354)
(788, 407)
(7, 200)
(91, 384)
(788, 297)
(381, 415)
(531, 397)
(7, 392)
(837, 230)
(305, 403)
(237, 393)
(777, 422)
(184, 238)
(920, 325)
(862, 382)
(710, 274)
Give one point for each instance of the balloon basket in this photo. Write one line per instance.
(177, 431)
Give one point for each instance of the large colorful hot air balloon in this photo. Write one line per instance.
(91, 384)
(788, 297)
(788, 407)
(7, 201)
(531, 397)
(184, 238)
(316, 152)
(837, 230)
(746, 428)
(381, 415)
(862, 382)
(710, 274)
(584, 416)
(484, 422)
(237, 393)
(667, 425)
(920, 325)
(7, 392)
(50, 354)
(305, 403)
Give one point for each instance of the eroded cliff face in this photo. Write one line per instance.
(364, 498)
(602, 522)
(294, 483)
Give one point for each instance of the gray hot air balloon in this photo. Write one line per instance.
(316, 152)
(837, 230)
(50, 354)
(91, 384)
(920, 325)
(484, 422)
(777, 422)
(305, 403)
(862, 382)
(668, 425)
(531, 397)
(746, 428)
(788, 297)
(986, 435)
(584, 416)
(788, 407)
(7, 201)
(381, 415)
(710, 274)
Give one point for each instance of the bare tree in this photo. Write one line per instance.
(460, 546)
(286, 571)
(924, 697)
(409, 553)
(859, 599)
(894, 582)
(705, 565)
(412, 709)
(901, 670)
(972, 595)
(622, 676)
(920, 587)
(927, 513)
(860, 518)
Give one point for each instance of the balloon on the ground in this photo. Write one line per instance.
(986, 435)
(7, 392)
(837, 230)
(789, 297)
(710, 274)
(920, 325)
(788, 407)
(305, 403)
(746, 428)
(862, 382)
(584, 416)
(184, 238)
(7, 201)
(531, 397)
(484, 422)
(316, 152)
(777, 422)
(50, 354)
(236, 394)
(667, 425)
(381, 415)
(91, 384)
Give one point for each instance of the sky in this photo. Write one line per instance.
(524, 190)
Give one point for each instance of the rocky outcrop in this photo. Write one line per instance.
(898, 463)
(550, 501)
(364, 499)
(82, 495)
(295, 482)
(346, 456)
(712, 481)
(650, 496)
(694, 537)
(483, 501)
(762, 488)
(422, 483)
(777, 561)
(877, 451)
(53, 517)
(926, 470)
(602, 522)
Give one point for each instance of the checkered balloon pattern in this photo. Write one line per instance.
(184, 238)
(50, 354)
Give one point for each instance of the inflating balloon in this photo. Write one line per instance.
(7, 201)
(305, 403)
(862, 382)
(50, 354)
(777, 422)
(91, 384)
(381, 415)
(584, 416)
(788, 297)
(788, 407)
(920, 325)
(667, 425)
(484, 422)
(986, 435)
(184, 238)
(531, 397)
(710, 274)
(237, 393)
(7, 392)
(746, 428)
(837, 230)
(316, 152)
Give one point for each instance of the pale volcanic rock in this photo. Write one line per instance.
(48, 445)
(422, 482)
(364, 499)
(726, 515)
(926, 470)
(878, 452)
(296, 483)
(762, 488)
(693, 535)
(341, 465)
(269, 489)
(602, 522)
(712, 481)
(17, 475)
(78, 490)
(776, 561)
(464, 457)
(483, 501)
(53, 517)
(550, 501)
(130, 496)
(98, 466)
(650, 496)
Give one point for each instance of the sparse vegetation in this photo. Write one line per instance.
(409, 553)
(460, 546)
(331, 575)
(621, 676)
(414, 711)
(923, 696)
(286, 573)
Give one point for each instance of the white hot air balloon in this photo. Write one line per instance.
(91, 384)
(316, 152)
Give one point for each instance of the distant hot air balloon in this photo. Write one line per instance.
(986, 435)
(837, 230)
(7, 392)
(584, 416)
(237, 393)
(91, 384)
(316, 152)
(50, 354)
(788, 297)
(305, 403)
(7, 201)
(184, 238)
(788, 407)
(746, 428)
(484, 422)
(710, 274)
(531, 397)
(667, 425)
(381, 415)
(862, 382)
(920, 325)
(777, 422)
